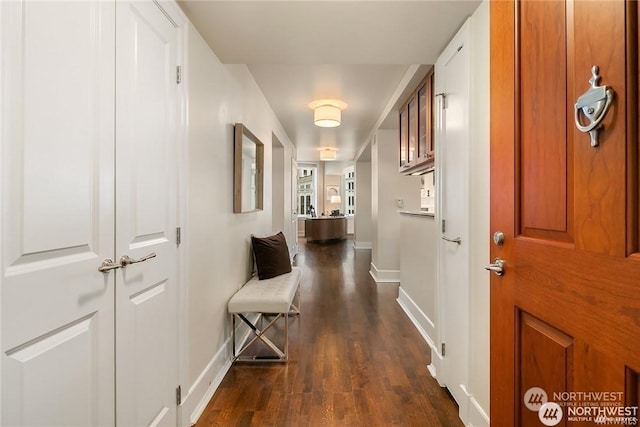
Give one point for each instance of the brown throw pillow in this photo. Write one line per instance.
(272, 255)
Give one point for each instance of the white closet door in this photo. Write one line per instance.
(146, 210)
(57, 142)
(452, 70)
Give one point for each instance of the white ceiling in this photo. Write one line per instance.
(302, 50)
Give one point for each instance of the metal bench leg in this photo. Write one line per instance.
(259, 335)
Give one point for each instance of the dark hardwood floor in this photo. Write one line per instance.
(355, 358)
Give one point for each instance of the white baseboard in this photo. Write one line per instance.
(362, 245)
(293, 251)
(421, 321)
(436, 367)
(477, 415)
(202, 390)
(427, 329)
(463, 398)
(384, 276)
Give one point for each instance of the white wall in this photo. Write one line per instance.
(387, 186)
(218, 240)
(363, 223)
(418, 286)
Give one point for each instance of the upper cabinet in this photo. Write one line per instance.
(416, 129)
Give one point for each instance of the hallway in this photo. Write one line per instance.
(356, 359)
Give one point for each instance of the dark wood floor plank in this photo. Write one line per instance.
(355, 358)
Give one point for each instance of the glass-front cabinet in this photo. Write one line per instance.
(416, 129)
(413, 130)
(404, 138)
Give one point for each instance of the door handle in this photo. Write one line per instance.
(497, 267)
(126, 259)
(108, 265)
(457, 240)
(593, 104)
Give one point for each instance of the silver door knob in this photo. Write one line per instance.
(108, 265)
(126, 259)
(497, 267)
(498, 238)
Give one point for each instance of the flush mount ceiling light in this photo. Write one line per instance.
(327, 113)
(328, 154)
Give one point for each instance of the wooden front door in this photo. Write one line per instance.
(565, 316)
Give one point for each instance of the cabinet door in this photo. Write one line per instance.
(404, 137)
(425, 119)
(413, 130)
(422, 123)
(57, 145)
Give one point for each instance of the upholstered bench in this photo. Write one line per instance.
(278, 296)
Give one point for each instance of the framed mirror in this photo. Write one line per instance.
(247, 170)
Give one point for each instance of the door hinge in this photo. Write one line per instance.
(179, 395)
(443, 350)
(444, 99)
(444, 228)
(178, 236)
(178, 74)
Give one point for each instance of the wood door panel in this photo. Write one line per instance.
(632, 387)
(545, 356)
(544, 194)
(601, 198)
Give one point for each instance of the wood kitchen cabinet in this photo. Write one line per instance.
(416, 129)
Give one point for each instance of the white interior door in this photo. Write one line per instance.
(57, 139)
(146, 211)
(453, 80)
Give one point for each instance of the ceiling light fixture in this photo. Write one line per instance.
(327, 113)
(328, 154)
(327, 116)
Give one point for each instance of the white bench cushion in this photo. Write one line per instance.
(273, 295)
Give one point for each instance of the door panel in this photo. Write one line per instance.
(544, 359)
(146, 194)
(564, 317)
(57, 213)
(602, 196)
(544, 193)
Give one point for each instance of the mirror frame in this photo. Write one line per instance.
(241, 132)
